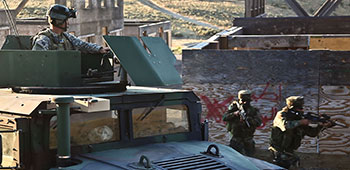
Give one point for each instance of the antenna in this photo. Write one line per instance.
(10, 18)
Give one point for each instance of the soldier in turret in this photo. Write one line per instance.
(242, 119)
(56, 37)
(288, 129)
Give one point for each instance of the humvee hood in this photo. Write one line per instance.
(172, 155)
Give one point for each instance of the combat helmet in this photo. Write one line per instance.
(244, 95)
(57, 14)
(295, 102)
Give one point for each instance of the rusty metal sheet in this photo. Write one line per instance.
(20, 103)
(25, 104)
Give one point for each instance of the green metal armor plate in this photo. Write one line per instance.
(152, 67)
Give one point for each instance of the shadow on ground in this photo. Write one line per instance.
(314, 161)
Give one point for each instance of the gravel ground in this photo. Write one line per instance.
(314, 161)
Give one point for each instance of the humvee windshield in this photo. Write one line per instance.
(161, 120)
(89, 128)
(101, 127)
(10, 144)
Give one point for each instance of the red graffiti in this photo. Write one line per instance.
(266, 119)
(265, 95)
(216, 109)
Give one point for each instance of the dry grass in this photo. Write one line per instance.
(135, 10)
(34, 8)
(219, 13)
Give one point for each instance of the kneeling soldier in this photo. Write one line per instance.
(288, 129)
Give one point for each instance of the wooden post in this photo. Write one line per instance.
(254, 8)
(161, 32)
(223, 42)
(144, 33)
(248, 8)
(104, 32)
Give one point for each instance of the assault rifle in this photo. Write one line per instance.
(243, 114)
(323, 118)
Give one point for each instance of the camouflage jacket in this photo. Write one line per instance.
(48, 40)
(287, 132)
(238, 127)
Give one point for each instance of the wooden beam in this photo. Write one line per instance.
(330, 43)
(212, 45)
(268, 41)
(340, 42)
(297, 8)
(254, 8)
(294, 25)
(327, 8)
(230, 31)
(20, 7)
(223, 42)
(248, 9)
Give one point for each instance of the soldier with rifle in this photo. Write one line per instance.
(289, 127)
(242, 119)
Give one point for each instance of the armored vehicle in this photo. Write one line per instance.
(69, 110)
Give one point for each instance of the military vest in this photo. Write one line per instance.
(57, 43)
(240, 129)
(288, 140)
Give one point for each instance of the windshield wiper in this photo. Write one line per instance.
(145, 114)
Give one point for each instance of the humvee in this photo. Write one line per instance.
(64, 110)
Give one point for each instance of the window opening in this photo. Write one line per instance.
(160, 121)
(89, 128)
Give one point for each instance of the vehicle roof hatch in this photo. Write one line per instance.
(148, 64)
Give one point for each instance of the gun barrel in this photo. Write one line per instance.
(246, 121)
(339, 124)
(324, 118)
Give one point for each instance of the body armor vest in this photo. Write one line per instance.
(57, 43)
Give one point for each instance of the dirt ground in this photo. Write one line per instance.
(314, 161)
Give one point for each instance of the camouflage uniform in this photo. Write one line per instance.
(48, 40)
(287, 133)
(242, 131)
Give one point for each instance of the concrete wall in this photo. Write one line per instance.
(3, 17)
(31, 27)
(93, 17)
(4, 31)
(321, 76)
(4, 25)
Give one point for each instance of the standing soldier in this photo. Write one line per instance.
(242, 119)
(288, 129)
(56, 37)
